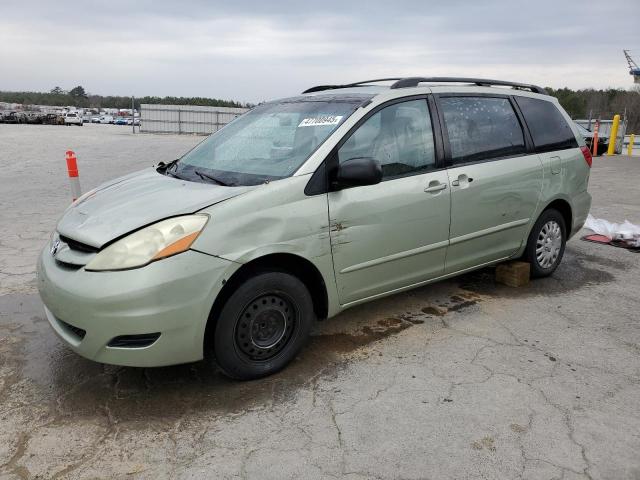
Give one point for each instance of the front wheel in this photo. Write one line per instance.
(546, 243)
(263, 325)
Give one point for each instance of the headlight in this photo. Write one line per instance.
(160, 240)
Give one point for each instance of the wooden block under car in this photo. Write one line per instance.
(513, 274)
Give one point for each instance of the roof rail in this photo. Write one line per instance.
(415, 81)
(320, 88)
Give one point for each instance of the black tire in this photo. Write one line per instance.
(602, 149)
(543, 235)
(263, 325)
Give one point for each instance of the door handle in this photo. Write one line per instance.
(461, 178)
(436, 187)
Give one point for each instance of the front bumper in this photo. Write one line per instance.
(172, 297)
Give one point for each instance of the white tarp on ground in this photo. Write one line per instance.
(626, 232)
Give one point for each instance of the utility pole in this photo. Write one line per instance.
(133, 115)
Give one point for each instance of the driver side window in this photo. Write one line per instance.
(399, 137)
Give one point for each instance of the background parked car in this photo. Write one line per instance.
(120, 121)
(33, 117)
(10, 117)
(603, 141)
(72, 118)
(50, 119)
(105, 119)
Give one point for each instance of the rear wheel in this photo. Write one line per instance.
(546, 243)
(263, 325)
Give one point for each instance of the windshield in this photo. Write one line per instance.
(267, 143)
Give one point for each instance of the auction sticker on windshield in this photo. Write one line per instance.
(323, 120)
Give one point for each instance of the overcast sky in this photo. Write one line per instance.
(257, 50)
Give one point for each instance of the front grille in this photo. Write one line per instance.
(134, 341)
(68, 266)
(75, 245)
(78, 332)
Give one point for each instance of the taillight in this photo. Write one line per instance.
(587, 155)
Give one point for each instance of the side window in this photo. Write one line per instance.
(399, 137)
(481, 128)
(547, 125)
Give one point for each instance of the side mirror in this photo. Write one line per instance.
(357, 172)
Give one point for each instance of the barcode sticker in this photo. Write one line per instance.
(323, 120)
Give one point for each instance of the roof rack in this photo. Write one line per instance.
(415, 81)
(320, 88)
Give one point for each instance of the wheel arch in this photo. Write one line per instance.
(564, 207)
(558, 203)
(290, 263)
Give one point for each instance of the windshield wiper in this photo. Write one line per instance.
(168, 165)
(166, 168)
(204, 176)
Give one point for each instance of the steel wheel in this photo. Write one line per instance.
(265, 326)
(549, 244)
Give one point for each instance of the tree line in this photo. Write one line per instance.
(601, 104)
(586, 104)
(78, 97)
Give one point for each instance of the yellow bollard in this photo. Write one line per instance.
(630, 147)
(613, 135)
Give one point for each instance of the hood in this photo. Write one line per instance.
(136, 200)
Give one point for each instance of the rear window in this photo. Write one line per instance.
(549, 129)
(481, 128)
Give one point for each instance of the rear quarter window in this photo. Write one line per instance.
(549, 129)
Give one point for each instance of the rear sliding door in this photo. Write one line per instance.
(495, 178)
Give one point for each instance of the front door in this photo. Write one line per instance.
(495, 183)
(393, 234)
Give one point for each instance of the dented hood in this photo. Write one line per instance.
(136, 200)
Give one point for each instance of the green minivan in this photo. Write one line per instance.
(306, 206)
